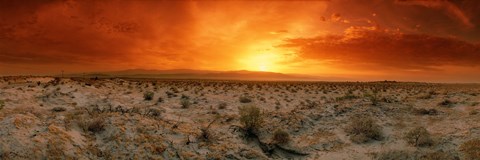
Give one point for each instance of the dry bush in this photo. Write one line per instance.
(347, 96)
(170, 94)
(471, 149)
(160, 100)
(2, 104)
(418, 137)
(214, 156)
(58, 109)
(185, 103)
(206, 135)
(245, 99)
(55, 149)
(148, 96)
(438, 155)
(184, 97)
(373, 98)
(474, 103)
(363, 129)
(95, 125)
(154, 112)
(395, 155)
(281, 137)
(222, 105)
(423, 111)
(251, 118)
(310, 104)
(472, 112)
(447, 103)
(414, 155)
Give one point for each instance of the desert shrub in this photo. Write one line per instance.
(245, 99)
(251, 118)
(214, 156)
(58, 109)
(471, 149)
(475, 103)
(222, 105)
(154, 112)
(395, 155)
(373, 98)
(418, 137)
(148, 96)
(170, 94)
(185, 103)
(2, 104)
(446, 103)
(414, 155)
(55, 81)
(205, 134)
(310, 104)
(438, 155)
(184, 97)
(347, 96)
(363, 129)
(96, 125)
(423, 111)
(473, 112)
(281, 137)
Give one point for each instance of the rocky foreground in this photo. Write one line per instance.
(74, 118)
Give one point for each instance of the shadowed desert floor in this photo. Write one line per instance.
(74, 118)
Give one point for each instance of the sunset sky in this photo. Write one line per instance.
(436, 41)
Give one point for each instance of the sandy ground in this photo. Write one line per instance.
(43, 117)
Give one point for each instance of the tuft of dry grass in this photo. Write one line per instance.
(185, 103)
(245, 99)
(439, 155)
(148, 96)
(206, 135)
(363, 129)
(96, 125)
(251, 118)
(423, 111)
(281, 137)
(471, 149)
(153, 112)
(394, 155)
(2, 104)
(58, 109)
(447, 103)
(414, 155)
(418, 137)
(472, 112)
(222, 105)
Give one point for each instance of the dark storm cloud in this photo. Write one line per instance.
(89, 31)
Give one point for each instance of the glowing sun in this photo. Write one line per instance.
(262, 68)
(266, 62)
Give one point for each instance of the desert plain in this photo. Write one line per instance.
(118, 118)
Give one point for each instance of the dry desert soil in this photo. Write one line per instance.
(75, 118)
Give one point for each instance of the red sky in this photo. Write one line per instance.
(363, 40)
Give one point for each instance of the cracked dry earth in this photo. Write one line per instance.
(74, 118)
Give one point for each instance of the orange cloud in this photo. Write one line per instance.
(330, 36)
(450, 8)
(386, 49)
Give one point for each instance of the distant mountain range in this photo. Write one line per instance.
(205, 74)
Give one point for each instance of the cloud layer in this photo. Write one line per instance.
(380, 48)
(311, 37)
